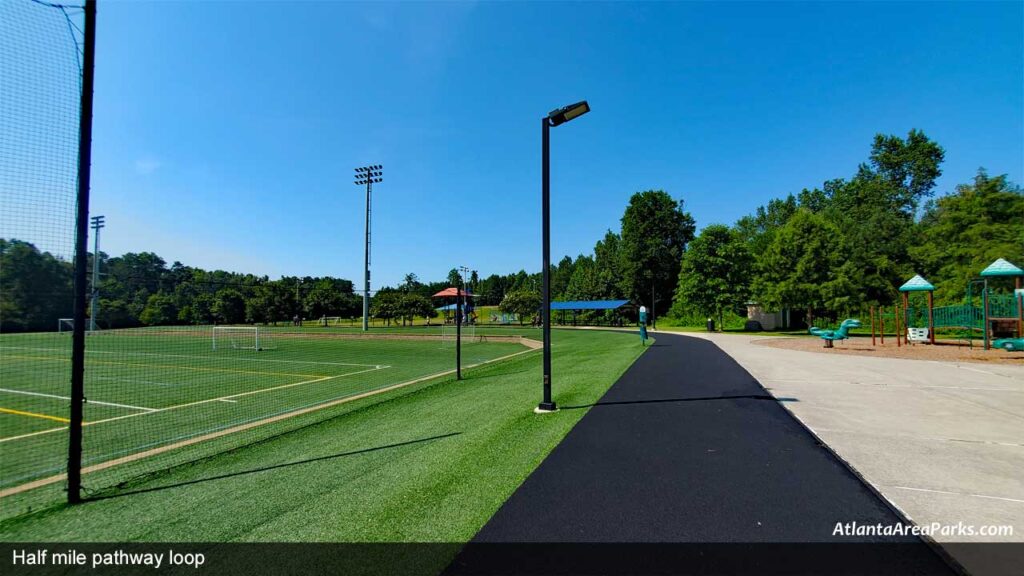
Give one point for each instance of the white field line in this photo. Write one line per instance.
(191, 356)
(231, 397)
(228, 398)
(242, 427)
(170, 366)
(128, 406)
(133, 381)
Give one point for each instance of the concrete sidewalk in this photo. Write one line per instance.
(944, 442)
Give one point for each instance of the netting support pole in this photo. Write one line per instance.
(81, 255)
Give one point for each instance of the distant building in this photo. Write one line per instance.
(779, 320)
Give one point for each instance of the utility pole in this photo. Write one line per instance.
(368, 176)
(94, 307)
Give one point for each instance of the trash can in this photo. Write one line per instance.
(711, 325)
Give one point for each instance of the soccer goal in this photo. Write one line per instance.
(330, 320)
(67, 325)
(448, 335)
(242, 338)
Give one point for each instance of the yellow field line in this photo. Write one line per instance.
(34, 415)
(22, 357)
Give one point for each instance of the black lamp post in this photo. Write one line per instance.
(555, 118)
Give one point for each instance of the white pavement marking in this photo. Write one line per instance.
(128, 406)
(912, 436)
(958, 493)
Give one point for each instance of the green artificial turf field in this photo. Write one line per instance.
(157, 397)
(427, 463)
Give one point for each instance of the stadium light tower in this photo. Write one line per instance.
(555, 118)
(94, 307)
(368, 176)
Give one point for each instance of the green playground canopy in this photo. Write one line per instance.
(917, 284)
(1002, 268)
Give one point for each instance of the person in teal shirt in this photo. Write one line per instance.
(643, 325)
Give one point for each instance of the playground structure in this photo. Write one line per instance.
(830, 336)
(995, 314)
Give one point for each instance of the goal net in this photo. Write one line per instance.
(448, 334)
(242, 338)
(331, 321)
(67, 325)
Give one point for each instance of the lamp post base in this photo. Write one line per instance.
(545, 407)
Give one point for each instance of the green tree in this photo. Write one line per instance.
(410, 306)
(522, 303)
(802, 266)
(454, 278)
(909, 166)
(962, 233)
(758, 229)
(410, 283)
(328, 298)
(159, 310)
(560, 276)
(198, 310)
(228, 306)
(385, 305)
(655, 231)
(35, 288)
(608, 267)
(715, 273)
(259, 306)
(584, 283)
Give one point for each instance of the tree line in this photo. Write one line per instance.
(835, 250)
(825, 251)
(139, 289)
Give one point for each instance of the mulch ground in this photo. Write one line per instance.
(944, 351)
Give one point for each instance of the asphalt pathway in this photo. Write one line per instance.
(687, 447)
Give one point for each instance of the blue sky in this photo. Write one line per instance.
(226, 133)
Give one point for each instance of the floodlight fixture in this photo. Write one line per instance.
(567, 113)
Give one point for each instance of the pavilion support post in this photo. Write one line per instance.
(872, 314)
(1020, 306)
(881, 325)
(984, 314)
(931, 318)
(897, 322)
